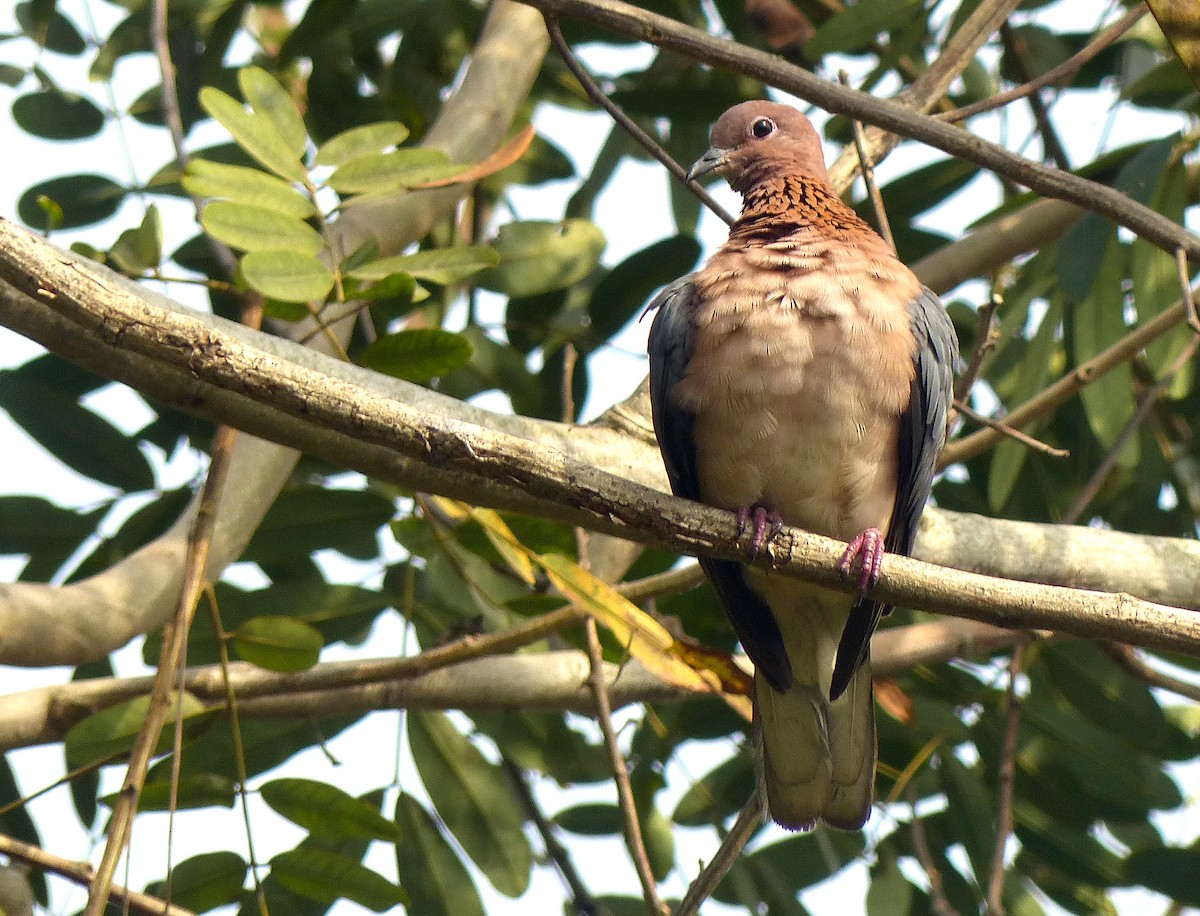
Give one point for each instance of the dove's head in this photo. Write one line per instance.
(759, 140)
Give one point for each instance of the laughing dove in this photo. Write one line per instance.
(802, 376)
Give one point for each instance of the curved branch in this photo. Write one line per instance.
(624, 19)
(552, 680)
(273, 396)
(89, 619)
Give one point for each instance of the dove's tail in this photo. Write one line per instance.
(816, 759)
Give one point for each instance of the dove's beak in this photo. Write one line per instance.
(710, 162)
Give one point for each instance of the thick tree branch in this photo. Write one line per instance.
(555, 680)
(624, 19)
(560, 484)
(90, 619)
(82, 873)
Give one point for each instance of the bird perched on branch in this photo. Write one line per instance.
(802, 376)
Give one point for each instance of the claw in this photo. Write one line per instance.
(867, 548)
(763, 525)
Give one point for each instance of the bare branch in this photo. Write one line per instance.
(82, 873)
(994, 904)
(1131, 660)
(1068, 386)
(1063, 71)
(648, 143)
(553, 481)
(632, 827)
(748, 820)
(445, 677)
(624, 19)
(1004, 429)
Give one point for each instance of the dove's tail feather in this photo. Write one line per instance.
(816, 759)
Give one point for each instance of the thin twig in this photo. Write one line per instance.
(570, 358)
(1185, 284)
(172, 659)
(985, 342)
(1064, 70)
(239, 751)
(171, 115)
(937, 893)
(929, 89)
(1068, 386)
(868, 173)
(582, 901)
(1131, 660)
(648, 143)
(629, 815)
(1051, 146)
(1024, 438)
(748, 821)
(626, 19)
(83, 874)
(676, 581)
(994, 904)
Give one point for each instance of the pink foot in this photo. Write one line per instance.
(762, 524)
(867, 548)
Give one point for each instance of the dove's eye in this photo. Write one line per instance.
(763, 127)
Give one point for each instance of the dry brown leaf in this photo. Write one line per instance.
(509, 153)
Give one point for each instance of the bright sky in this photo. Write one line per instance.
(367, 752)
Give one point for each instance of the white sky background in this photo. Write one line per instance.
(634, 212)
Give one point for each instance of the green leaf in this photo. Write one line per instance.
(245, 186)
(324, 876)
(796, 862)
(474, 799)
(889, 893)
(47, 533)
(1081, 255)
(74, 435)
(49, 28)
(287, 275)
(278, 643)
(360, 141)
(856, 26)
(1156, 279)
(658, 833)
(437, 265)
(204, 882)
(923, 189)
(418, 354)
(718, 794)
(1169, 870)
(969, 809)
(438, 882)
(1065, 847)
(590, 819)
(379, 173)
(253, 228)
(326, 811)
(269, 101)
(537, 257)
(113, 730)
(200, 790)
(140, 250)
(55, 115)
(257, 134)
(307, 518)
(82, 199)
(1099, 323)
(625, 289)
(1106, 695)
(1009, 456)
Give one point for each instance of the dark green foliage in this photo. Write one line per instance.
(502, 301)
